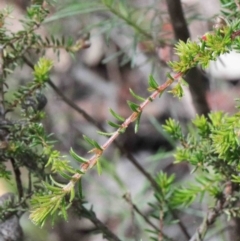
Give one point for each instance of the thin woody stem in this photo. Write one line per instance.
(137, 210)
(93, 160)
(209, 219)
(131, 158)
(90, 215)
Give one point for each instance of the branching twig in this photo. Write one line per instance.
(210, 218)
(131, 158)
(136, 209)
(17, 173)
(89, 214)
(121, 148)
(128, 198)
(91, 162)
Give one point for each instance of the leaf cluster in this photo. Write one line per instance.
(211, 147)
(23, 139)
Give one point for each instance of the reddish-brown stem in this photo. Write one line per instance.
(93, 160)
(235, 34)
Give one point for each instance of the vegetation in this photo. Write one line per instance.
(211, 146)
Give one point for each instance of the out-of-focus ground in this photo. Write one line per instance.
(95, 87)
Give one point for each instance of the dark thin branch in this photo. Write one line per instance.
(2, 109)
(136, 209)
(29, 182)
(178, 21)
(75, 107)
(194, 77)
(17, 173)
(90, 215)
(180, 224)
(128, 198)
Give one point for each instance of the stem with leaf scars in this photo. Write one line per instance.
(131, 158)
(117, 144)
(98, 152)
(208, 221)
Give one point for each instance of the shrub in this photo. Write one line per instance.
(212, 148)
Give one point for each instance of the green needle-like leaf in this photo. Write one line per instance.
(77, 157)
